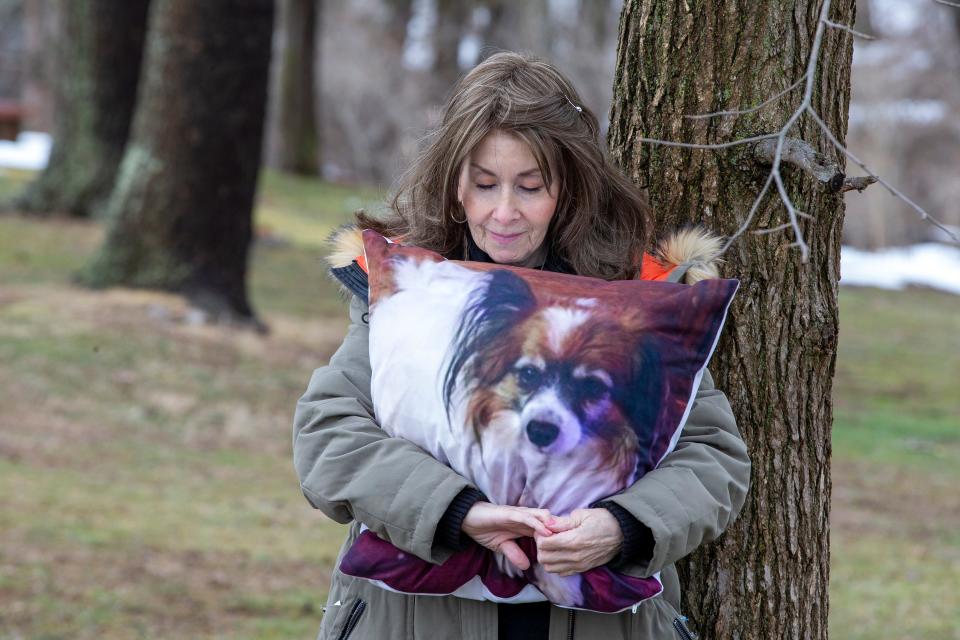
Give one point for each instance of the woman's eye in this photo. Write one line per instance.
(530, 189)
(485, 187)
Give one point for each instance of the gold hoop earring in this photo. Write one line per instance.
(454, 218)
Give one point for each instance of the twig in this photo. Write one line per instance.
(859, 183)
(749, 218)
(843, 27)
(721, 145)
(779, 227)
(751, 109)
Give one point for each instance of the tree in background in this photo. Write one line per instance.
(767, 577)
(180, 215)
(298, 143)
(452, 19)
(99, 53)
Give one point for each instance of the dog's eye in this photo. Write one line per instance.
(529, 378)
(592, 388)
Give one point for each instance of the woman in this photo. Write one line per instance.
(514, 175)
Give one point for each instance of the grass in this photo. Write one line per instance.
(148, 490)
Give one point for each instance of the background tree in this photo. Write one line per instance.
(767, 577)
(180, 215)
(99, 53)
(298, 145)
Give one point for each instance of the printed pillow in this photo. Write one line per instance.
(542, 389)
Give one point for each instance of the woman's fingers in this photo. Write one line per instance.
(532, 521)
(559, 524)
(515, 555)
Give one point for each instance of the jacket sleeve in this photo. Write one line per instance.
(697, 490)
(349, 468)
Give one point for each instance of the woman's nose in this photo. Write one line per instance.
(506, 209)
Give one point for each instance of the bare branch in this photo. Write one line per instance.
(924, 215)
(799, 153)
(776, 229)
(843, 27)
(792, 212)
(859, 183)
(749, 218)
(720, 145)
(751, 109)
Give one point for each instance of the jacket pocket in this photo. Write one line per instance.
(353, 618)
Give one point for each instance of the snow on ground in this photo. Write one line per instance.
(927, 265)
(30, 151)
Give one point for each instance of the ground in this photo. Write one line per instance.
(148, 490)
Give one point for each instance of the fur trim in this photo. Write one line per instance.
(346, 243)
(694, 248)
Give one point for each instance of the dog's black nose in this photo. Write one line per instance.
(542, 433)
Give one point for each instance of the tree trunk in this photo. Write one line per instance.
(40, 28)
(452, 18)
(299, 142)
(100, 49)
(180, 216)
(767, 577)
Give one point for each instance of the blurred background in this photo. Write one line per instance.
(146, 486)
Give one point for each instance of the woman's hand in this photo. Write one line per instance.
(496, 527)
(585, 539)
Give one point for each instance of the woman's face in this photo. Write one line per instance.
(507, 203)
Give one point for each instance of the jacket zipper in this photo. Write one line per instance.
(679, 624)
(352, 619)
(571, 623)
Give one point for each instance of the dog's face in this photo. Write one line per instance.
(567, 376)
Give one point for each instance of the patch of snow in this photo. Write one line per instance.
(928, 265)
(30, 151)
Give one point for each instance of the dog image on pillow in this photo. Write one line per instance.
(560, 399)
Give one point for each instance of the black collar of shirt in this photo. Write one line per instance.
(553, 262)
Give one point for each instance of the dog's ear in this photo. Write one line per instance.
(647, 391)
(493, 309)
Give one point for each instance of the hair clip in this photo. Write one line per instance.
(578, 108)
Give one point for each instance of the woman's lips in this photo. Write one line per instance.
(504, 238)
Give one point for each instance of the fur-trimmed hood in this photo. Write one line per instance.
(688, 255)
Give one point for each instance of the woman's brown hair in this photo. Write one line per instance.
(602, 220)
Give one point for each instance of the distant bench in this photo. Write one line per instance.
(11, 117)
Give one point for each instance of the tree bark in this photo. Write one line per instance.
(180, 216)
(767, 576)
(100, 50)
(299, 139)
